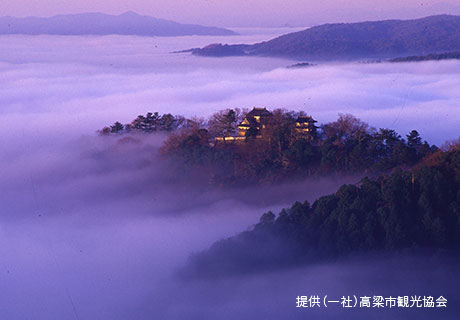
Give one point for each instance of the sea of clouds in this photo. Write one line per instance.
(92, 228)
(83, 83)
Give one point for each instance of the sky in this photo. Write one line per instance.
(241, 13)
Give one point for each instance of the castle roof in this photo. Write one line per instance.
(258, 112)
(304, 119)
(249, 122)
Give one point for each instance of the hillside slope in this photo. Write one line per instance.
(342, 41)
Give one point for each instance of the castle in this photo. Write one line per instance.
(259, 118)
(254, 121)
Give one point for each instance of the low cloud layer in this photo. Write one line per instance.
(80, 84)
(92, 227)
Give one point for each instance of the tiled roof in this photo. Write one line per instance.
(261, 112)
(305, 119)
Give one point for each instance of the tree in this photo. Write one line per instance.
(390, 213)
(347, 126)
(274, 151)
(105, 131)
(413, 139)
(138, 123)
(117, 127)
(168, 122)
(223, 123)
(150, 122)
(267, 218)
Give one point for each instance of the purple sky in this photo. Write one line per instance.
(228, 13)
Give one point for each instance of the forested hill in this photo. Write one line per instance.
(342, 41)
(412, 210)
(277, 152)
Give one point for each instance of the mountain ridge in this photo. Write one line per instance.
(343, 41)
(96, 23)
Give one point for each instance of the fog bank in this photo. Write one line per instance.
(94, 227)
(80, 84)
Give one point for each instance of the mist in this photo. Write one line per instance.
(95, 227)
(57, 80)
(92, 228)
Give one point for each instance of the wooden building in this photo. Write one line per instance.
(305, 125)
(254, 120)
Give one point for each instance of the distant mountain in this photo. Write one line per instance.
(129, 23)
(343, 41)
(429, 57)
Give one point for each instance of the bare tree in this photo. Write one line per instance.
(223, 123)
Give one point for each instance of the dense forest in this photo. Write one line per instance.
(409, 199)
(278, 152)
(414, 210)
